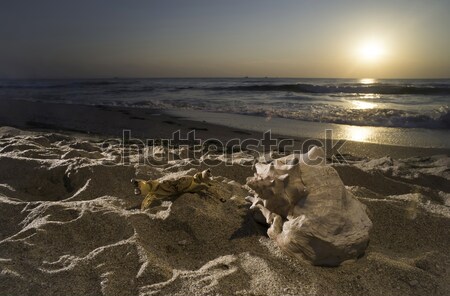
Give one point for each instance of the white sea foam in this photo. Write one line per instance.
(388, 103)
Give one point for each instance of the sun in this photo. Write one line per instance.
(371, 50)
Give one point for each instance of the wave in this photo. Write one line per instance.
(378, 118)
(124, 90)
(387, 118)
(131, 85)
(392, 103)
(61, 84)
(319, 112)
(379, 88)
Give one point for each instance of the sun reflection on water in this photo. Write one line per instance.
(358, 133)
(363, 105)
(369, 96)
(367, 81)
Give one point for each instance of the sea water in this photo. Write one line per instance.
(412, 107)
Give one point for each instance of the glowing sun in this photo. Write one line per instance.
(371, 50)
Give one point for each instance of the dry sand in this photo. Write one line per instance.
(70, 225)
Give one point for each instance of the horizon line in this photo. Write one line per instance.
(221, 77)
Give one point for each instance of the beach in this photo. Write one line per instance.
(216, 148)
(72, 225)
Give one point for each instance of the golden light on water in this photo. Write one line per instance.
(363, 105)
(369, 96)
(367, 81)
(358, 133)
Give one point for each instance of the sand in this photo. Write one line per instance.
(71, 224)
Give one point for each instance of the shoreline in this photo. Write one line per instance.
(390, 136)
(109, 121)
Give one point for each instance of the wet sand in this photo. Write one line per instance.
(107, 122)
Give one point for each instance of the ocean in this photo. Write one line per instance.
(420, 105)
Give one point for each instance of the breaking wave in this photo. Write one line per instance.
(378, 88)
(389, 103)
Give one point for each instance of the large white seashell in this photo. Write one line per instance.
(312, 215)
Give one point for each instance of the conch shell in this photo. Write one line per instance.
(156, 189)
(310, 212)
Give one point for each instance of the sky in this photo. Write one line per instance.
(228, 38)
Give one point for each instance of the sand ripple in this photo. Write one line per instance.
(71, 226)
